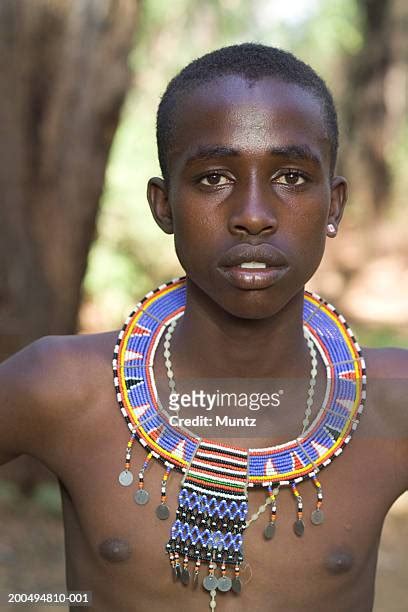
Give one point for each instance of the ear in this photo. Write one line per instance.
(157, 197)
(339, 191)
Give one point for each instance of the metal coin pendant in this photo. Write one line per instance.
(162, 512)
(269, 531)
(317, 517)
(210, 582)
(236, 585)
(299, 527)
(224, 584)
(185, 576)
(141, 497)
(126, 478)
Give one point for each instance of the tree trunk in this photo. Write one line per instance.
(63, 80)
(371, 115)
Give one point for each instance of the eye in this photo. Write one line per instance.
(214, 180)
(290, 177)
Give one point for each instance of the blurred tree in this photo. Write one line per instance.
(375, 105)
(63, 80)
(64, 77)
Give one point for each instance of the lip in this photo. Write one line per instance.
(247, 279)
(253, 278)
(241, 253)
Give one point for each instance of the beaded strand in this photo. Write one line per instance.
(167, 357)
(141, 496)
(313, 374)
(126, 476)
(269, 530)
(298, 526)
(162, 510)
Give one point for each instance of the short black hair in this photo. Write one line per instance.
(253, 61)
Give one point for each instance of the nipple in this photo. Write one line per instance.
(339, 561)
(115, 550)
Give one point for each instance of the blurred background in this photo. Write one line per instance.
(80, 83)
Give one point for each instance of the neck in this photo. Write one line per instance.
(211, 342)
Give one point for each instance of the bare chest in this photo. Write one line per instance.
(116, 547)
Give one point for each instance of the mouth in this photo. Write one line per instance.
(253, 277)
(253, 265)
(248, 267)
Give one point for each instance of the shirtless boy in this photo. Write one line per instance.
(247, 146)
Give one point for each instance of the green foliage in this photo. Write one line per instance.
(380, 337)
(9, 493)
(48, 497)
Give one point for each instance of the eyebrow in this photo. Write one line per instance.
(211, 151)
(298, 152)
(301, 152)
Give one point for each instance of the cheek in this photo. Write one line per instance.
(310, 236)
(314, 256)
(194, 234)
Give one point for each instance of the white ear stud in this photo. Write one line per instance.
(331, 228)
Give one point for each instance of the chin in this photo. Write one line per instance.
(254, 305)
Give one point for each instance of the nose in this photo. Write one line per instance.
(252, 211)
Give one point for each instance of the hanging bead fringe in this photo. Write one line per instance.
(162, 510)
(317, 516)
(126, 476)
(298, 526)
(142, 495)
(269, 530)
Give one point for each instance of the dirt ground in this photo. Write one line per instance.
(31, 550)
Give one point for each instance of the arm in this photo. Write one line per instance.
(387, 372)
(27, 386)
(396, 384)
(47, 389)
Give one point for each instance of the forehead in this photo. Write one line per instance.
(249, 117)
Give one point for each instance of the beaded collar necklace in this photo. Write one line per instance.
(213, 501)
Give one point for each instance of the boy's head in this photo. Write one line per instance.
(247, 143)
(253, 62)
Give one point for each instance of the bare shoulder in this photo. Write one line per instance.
(387, 381)
(43, 385)
(74, 363)
(61, 366)
(391, 363)
(387, 392)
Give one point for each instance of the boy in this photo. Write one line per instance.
(247, 140)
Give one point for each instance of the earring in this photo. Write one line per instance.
(331, 229)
